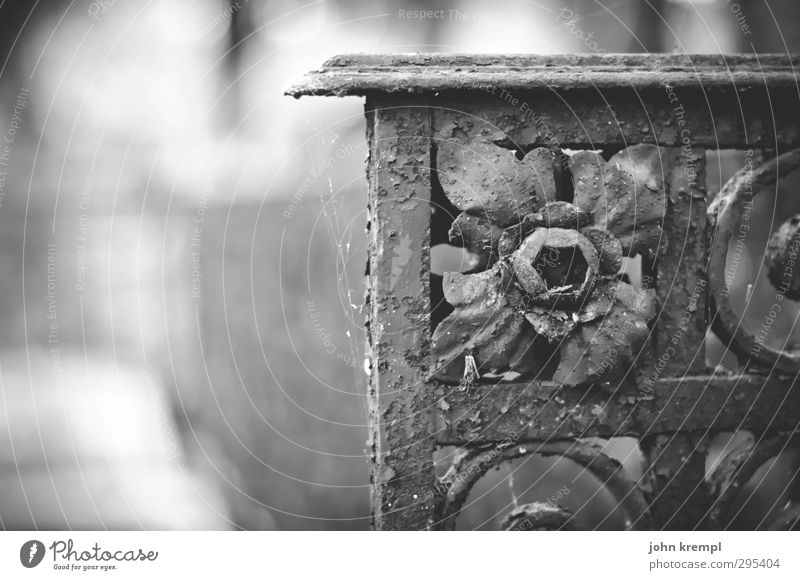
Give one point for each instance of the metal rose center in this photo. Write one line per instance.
(554, 264)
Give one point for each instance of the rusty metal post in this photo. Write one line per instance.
(400, 397)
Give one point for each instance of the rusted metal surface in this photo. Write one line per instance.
(561, 166)
(674, 482)
(538, 411)
(469, 467)
(358, 74)
(481, 177)
(586, 101)
(626, 195)
(539, 516)
(479, 236)
(400, 400)
(735, 470)
(550, 295)
(681, 278)
(616, 118)
(783, 266)
(728, 222)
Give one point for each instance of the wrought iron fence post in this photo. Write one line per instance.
(551, 169)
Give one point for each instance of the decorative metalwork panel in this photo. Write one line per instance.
(551, 307)
(597, 264)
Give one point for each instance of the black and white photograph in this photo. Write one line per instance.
(278, 275)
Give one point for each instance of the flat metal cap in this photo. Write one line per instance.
(361, 74)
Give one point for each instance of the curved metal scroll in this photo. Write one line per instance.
(725, 214)
(474, 464)
(539, 516)
(736, 469)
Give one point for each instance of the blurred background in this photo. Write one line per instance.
(182, 249)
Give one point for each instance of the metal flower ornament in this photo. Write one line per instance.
(546, 299)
